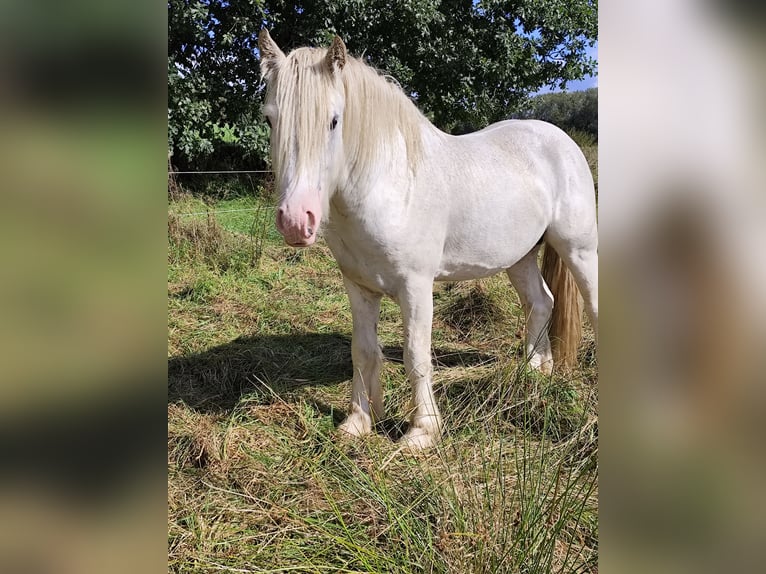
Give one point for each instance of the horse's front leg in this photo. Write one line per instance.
(366, 396)
(416, 302)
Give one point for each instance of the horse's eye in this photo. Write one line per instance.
(333, 123)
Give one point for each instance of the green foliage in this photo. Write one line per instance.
(213, 84)
(574, 112)
(466, 64)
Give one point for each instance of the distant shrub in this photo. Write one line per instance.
(571, 111)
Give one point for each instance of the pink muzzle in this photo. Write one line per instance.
(299, 222)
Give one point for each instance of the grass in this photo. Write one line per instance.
(259, 377)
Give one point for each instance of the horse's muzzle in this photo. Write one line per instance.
(297, 226)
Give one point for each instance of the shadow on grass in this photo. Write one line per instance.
(277, 365)
(218, 378)
(444, 358)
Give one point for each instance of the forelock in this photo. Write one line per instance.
(301, 92)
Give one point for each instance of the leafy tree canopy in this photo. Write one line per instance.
(466, 64)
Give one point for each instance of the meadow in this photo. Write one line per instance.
(259, 368)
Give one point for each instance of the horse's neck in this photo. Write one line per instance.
(392, 173)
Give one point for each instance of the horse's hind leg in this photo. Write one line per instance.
(366, 396)
(537, 301)
(581, 258)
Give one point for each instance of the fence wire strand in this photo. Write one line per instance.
(226, 210)
(170, 173)
(209, 172)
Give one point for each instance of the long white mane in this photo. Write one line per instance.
(378, 116)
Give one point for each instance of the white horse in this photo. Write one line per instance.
(404, 204)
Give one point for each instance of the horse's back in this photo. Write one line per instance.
(504, 187)
(537, 141)
(526, 156)
(555, 159)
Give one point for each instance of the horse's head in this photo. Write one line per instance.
(304, 107)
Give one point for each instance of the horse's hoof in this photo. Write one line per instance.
(418, 438)
(356, 425)
(544, 366)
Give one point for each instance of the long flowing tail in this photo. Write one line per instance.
(565, 329)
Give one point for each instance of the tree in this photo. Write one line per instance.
(213, 83)
(464, 64)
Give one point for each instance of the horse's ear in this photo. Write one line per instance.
(271, 55)
(336, 55)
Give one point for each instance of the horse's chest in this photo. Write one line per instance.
(365, 263)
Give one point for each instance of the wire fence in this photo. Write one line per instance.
(211, 172)
(261, 208)
(221, 171)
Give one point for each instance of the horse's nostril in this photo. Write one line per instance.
(310, 223)
(280, 216)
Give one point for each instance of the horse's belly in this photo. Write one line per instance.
(463, 259)
(465, 271)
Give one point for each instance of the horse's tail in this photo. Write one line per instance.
(565, 330)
